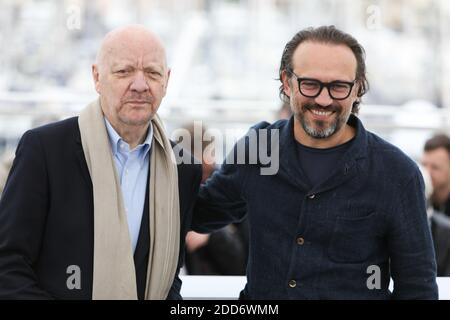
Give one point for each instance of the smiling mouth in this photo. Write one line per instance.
(320, 114)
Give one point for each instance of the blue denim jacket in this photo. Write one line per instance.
(344, 239)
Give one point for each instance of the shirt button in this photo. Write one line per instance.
(312, 197)
(292, 283)
(300, 241)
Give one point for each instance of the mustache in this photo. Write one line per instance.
(315, 106)
(138, 98)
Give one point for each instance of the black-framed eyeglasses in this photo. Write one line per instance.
(312, 88)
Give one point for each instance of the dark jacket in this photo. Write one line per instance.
(445, 208)
(321, 243)
(440, 230)
(46, 217)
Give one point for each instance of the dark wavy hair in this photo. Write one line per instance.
(326, 34)
(436, 142)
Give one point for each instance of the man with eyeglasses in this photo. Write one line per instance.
(345, 211)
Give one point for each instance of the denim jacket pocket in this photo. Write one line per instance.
(353, 240)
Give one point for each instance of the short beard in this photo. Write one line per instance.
(319, 130)
(317, 133)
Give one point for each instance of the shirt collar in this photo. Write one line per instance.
(115, 140)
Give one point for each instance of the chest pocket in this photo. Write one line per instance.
(353, 239)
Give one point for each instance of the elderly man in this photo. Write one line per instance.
(95, 206)
(346, 210)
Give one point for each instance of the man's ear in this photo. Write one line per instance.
(167, 81)
(359, 89)
(286, 85)
(96, 77)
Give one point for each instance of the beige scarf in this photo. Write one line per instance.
(114, 273)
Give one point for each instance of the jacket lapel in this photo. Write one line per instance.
(352, 163)
(81, 159)
(290, 169)
(347, 169)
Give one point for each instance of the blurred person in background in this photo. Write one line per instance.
(95, 206)
(436, 159)
(225, 251)
(436, 162)
(345, 210)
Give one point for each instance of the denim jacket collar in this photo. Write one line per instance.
(346, 169)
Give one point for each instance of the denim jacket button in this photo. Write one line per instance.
(312, 197)
(292, 283)
(300, 241)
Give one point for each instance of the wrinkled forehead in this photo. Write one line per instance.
(125, 55)
(324, 60)
(140, 49)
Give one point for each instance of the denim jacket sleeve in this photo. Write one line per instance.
(413, 263)
(220, 202)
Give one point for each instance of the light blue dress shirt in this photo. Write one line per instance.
(132, 168)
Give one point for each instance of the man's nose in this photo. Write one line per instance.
(324, 98)
(139, 83)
